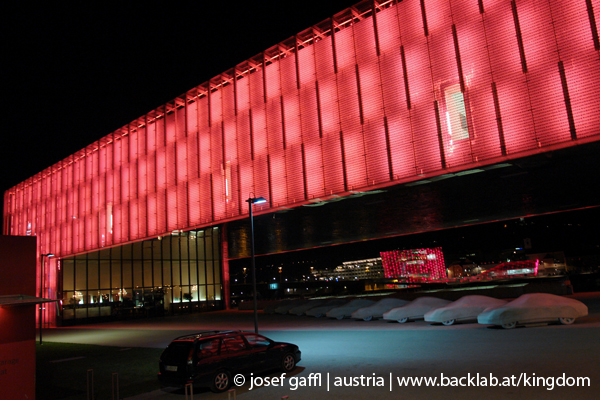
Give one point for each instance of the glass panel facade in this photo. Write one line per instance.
(145, 278)
(68, 270)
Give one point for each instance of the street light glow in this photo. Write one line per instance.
(256, 200)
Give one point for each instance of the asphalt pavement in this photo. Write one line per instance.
(347, 359)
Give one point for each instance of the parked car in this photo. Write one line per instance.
(414, 310)
(303, 308)
(212, 358)
(466, 308)
(346, 310)
(535, 308)
(285, 306)
(320, 311)
(377, 310)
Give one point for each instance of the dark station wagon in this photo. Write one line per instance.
(212, 358)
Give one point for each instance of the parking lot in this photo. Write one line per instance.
(347, 359)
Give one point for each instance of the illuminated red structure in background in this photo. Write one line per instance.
(512, 269)
(415, 265)
(379, 94)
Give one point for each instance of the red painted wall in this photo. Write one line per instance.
(401, 92)
(17, 324)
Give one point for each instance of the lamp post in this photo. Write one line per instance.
(42, 292)
(251, 201)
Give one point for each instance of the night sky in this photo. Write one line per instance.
(74, 72)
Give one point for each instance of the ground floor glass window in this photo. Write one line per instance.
(152, 277)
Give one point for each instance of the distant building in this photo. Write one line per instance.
(371, 268)
(415, 265)
(511, 269)
(459, 270)
(553, 263)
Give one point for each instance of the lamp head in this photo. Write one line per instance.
(256, 200)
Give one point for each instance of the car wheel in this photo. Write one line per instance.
(318, 315)
(403, 320)
(340, 317)
(509, 325)
(449, 322)
(288, 363)
(221, 381)
(369, 318)
(300, 314)
(566, 320)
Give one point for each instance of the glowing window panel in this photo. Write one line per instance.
(456, 114)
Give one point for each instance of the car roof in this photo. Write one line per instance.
(207, 334)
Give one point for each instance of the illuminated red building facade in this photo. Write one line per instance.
(415, 265)
(380, 94)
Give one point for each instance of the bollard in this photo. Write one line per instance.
(90, 384)
(229, 393)
(115, 377)
(189, 386)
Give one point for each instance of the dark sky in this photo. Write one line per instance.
(73, 73)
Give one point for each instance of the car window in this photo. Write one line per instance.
(233, 344)
(177, 352)
(257, 340)
(208, 348)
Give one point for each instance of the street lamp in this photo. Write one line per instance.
(251, 201)
(42, 292)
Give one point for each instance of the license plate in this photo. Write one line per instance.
(171, 368)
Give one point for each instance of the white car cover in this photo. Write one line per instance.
(534, 308)
(416, 309)
(466, 308)
(270, 308)
(346, 310)
(303, 308)
(378, 309)
(285, 306)
(322, 310)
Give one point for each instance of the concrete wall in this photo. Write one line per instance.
(17, 333)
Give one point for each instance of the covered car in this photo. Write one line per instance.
(535, 308)
(322, 310)
(285, 306)
(466, 308)
(303, 308)
(270, 307)
(414, 310)
(377, 310)
(346, 310)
